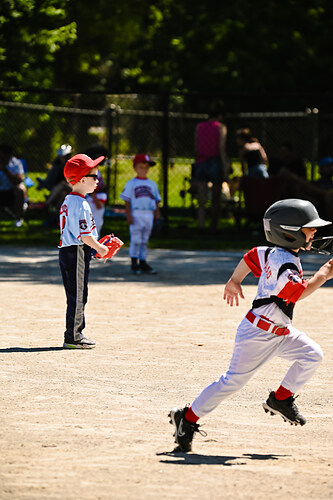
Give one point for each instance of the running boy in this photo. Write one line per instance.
(78, 237)
(266, 330)
(142, 200)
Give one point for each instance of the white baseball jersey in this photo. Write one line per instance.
(280, 284)
(143, 194)
(76, 220)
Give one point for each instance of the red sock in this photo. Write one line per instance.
(190, 416)
(282, 393)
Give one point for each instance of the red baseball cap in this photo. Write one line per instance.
(143, 159)
(78, 166)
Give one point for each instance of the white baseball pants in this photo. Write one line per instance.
(254, 347)
(140, 231)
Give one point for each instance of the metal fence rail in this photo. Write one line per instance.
(131, 124)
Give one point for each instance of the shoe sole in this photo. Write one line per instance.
(273, 412)
(78, 346)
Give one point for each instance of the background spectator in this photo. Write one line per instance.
(56, 172)
(56, 183)
(211, 163)
(12, 189)
(251, 154)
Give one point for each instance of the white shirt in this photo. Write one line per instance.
(76, 220)
(142, 194)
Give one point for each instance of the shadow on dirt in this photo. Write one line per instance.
(9, 350)
(174, 267)
(198, 459)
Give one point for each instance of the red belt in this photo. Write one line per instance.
(266, 325)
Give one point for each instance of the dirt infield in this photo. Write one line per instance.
(86, 425)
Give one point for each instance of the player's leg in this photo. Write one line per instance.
(306, 355)
(253, 347)
(135, 242)
(74, 264)
(147, 226)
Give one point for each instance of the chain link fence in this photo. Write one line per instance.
(159, 125)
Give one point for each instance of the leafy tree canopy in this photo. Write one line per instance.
(215, 46)
(31, 32)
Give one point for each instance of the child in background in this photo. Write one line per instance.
(78, 237)
(142, 200)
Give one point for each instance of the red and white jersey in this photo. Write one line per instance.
(76, 220)
(280, 284)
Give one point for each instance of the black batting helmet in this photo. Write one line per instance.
(284, 220)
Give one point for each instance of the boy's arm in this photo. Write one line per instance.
(157, 211)
(324, 274)
(93, 243)
(233, 288)
(128, 212)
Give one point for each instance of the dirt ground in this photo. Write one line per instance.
(93, 424)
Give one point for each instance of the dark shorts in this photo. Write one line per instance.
(209, 171)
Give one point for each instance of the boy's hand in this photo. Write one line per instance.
(103, 250)
(232, 291)
(111, 243)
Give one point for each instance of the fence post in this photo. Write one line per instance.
(314, 158)
(165, 155)
(109, 125)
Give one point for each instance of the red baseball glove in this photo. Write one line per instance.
(113, 243)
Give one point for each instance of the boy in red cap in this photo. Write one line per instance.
(142, 200)
(78, 237)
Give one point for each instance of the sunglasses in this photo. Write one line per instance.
(94, 176)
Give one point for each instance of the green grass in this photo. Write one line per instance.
(181, 233)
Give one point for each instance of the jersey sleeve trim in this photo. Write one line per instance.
(251, 258)
(125, 198)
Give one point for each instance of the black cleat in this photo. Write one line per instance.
(146, 268)
(184, 430)
(135, 269)
(286, 408)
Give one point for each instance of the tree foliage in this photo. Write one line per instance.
(31, 32)
(186, 45)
